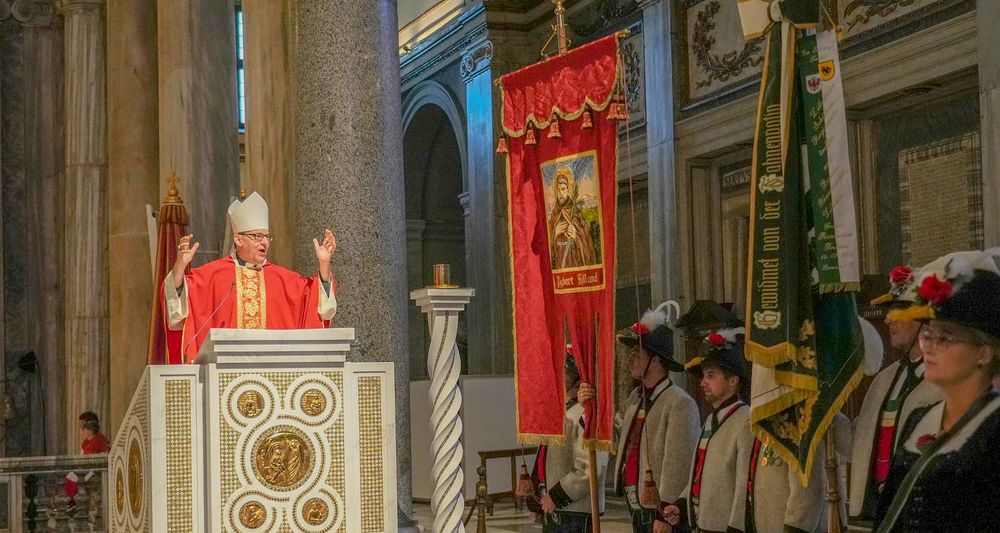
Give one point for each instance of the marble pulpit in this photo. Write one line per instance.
(268, 431)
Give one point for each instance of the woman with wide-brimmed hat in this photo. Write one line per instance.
(945, 475)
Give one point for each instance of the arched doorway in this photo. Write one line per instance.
(435, 217)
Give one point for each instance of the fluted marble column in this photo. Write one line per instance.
(270, 135)
(133, 170)
(44, 111)
(196, 54)
(85, 267)
(349, 177)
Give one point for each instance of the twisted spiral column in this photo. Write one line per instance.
(442, 307)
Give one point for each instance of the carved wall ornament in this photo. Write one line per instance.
(869, 9)
(282, 458)
(38, 13)
(313, 403)
(315, 512)
(604, 15)
(250, 404)
(476, 59)
(135, 477)
(728, 65)
(252, 515)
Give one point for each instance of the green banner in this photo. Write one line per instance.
(804, 339)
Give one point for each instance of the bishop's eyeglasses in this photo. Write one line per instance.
(257, 237)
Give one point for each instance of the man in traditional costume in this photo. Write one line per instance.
(715, 498)
(244, 290)
(892, 397)
(777, 502)
(571, 243)
(945, 475)
(656, 447)
(561, 475)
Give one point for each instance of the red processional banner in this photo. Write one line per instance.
(165, 344)
(560, 131)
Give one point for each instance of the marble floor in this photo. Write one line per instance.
(506, 518)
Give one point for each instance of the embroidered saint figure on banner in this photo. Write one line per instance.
(573, 212)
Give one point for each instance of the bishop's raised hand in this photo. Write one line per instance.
(185, 254)
(324, 253)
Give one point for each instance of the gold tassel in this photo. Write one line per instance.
(502, 145)
(529, 136)
(524, 486)
(618, 111)
(554, 128)
(649, 498)
(588, 121)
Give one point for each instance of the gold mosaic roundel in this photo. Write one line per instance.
(135, 473)
(119, 491)
(315, 511)
(252, 515)
(282, 458)
(313, 402)
(250, 404)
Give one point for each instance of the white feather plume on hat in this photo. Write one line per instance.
(874, 350)
(665, 314)
(731, 334)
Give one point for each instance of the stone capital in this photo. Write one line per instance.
(476, 59)
(80, 6)
(30, 13)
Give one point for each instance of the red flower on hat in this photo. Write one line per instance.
(640, 329)
(900, 275)
(935, 290)
(716, 340)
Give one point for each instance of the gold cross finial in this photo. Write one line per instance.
(173, 195)
(243, 194)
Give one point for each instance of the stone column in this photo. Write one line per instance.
(270, 134)
(657, 30)
(85, 266)
(133, 170)
(988, 22)
(486, 264)
(349, 177)
(196, 54)
(44, 165)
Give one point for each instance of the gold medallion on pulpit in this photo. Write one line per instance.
(135, 473)
(252, 515)
(315, 511)
(282, 458)
(119, 492)
(250, 404)
(313, 402)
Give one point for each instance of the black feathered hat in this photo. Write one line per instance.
(962, 287)
(655, 334)
(723, 348)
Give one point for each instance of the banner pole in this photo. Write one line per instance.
(560, 27)
(832, 484)
(595, 508)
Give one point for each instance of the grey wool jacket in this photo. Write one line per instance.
(567, 467)
(669, 439)
(722, 499)
(866, 426)
(781, 503)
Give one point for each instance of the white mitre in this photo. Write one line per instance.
(248, 215)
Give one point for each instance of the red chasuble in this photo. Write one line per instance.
(269, 298)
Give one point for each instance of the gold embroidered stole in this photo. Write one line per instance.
(251, 298)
